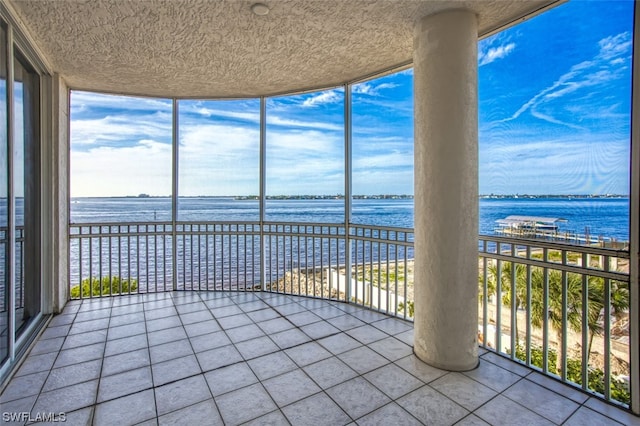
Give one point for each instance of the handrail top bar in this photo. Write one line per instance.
(624, 254)
(250, 222)
(530, 242)
(96, 224)
(385, 228)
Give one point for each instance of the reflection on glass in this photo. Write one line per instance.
(219, 170)
(121, 150)
(26, 184)
(382, 180)
(305, 157)
(4, 205)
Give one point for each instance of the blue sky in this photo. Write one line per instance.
(554, 112)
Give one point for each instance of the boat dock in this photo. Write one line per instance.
(548, 228)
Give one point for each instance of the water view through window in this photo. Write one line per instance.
(261, 184)
(553, 141)
(219, 160)
(555, 120)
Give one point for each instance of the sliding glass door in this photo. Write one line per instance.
(20, 200)
(4, 204)
(26, 184)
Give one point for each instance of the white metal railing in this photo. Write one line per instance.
(309, 259)
(19, 266)
(562, 309)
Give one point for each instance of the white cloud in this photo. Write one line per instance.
(613, 46)
(120, 128)
(589, 164)
(289, 142)
(327, 97)
(81, 101)
(363, 88)
(384, 161)
(488, 54)
(219, 160)
(108, 171)
(408, 71)
(606, 66)
(210, 112)
(372, 89)
(289, 122)
(304, 162)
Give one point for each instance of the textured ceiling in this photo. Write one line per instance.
(219, 48)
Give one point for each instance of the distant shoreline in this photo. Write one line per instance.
(372, 197)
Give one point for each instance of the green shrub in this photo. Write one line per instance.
(410, 305)
(618, 389)
(103, 287)
(536, 357)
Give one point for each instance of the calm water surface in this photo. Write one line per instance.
(608, 217)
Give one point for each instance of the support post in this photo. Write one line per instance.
(446, 189)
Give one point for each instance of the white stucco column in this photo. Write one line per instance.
(59, 163)
(446, 189)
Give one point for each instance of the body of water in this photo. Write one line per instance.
(608, 217)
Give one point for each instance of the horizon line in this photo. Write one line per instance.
(341, 196)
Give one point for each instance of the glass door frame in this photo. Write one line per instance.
(18, 47)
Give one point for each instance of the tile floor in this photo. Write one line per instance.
(261, 358)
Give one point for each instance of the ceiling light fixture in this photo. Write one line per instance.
(260, 9)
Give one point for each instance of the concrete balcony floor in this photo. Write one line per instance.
(261, 358)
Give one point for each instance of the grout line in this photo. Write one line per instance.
(237, 300)
(146, 333)
(104, 350)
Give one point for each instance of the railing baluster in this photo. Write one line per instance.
(237, 260)
(191, 273)
(485, 296)
(199, 258)
(100, 261)
(545, 314)
(528, 324)
(155, 257)
(206, 255)
(129, 257)
(584, 374)
(607, 332)
(371, 274)
(90, 262)
(377, 253)
(499, 304)
(109, 238)
(120, 277)
(146, 257)
(215, 257)
(406, 277)
(328, 266)
(163, 258)
(565, 321)
(299, 261)
(322, 240)
(138, 257)
(245, 245)
(388, 283)
(514, 306)
(80, 245)
(313, 257)
(223, 269)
